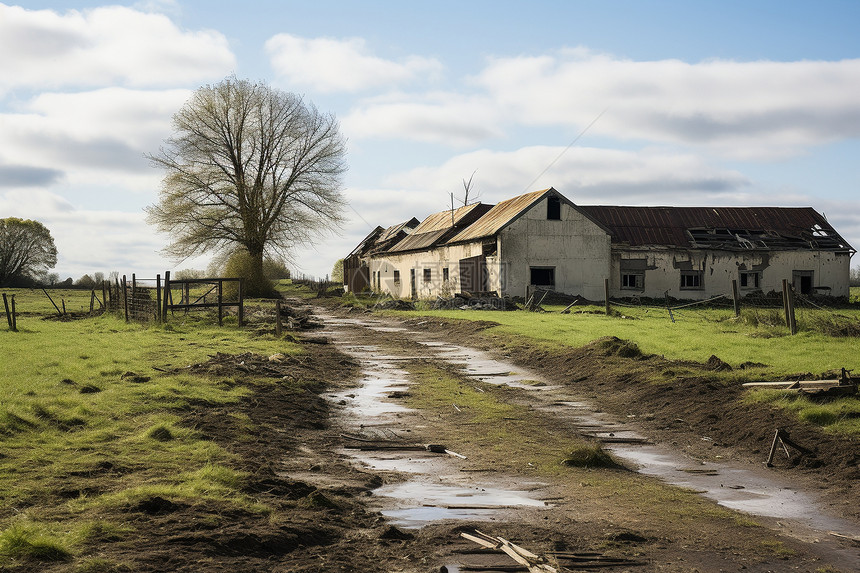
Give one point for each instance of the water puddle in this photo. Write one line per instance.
(423, 499)
(371, 414)
(426, 502)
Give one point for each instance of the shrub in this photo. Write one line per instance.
(242, 265)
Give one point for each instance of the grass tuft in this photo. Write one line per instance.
(29, 541)
(160, 433)
(589, 456)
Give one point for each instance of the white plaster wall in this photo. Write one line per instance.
(577, 248)
(435, 260)
(721, 267)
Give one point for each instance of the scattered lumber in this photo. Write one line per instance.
(534, 563)
(843, 386)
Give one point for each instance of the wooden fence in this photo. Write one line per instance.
(154, 300)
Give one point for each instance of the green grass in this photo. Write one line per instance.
(695, 336)
(34, 301)
(86, 397)
(840, 415)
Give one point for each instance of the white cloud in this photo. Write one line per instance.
(743, 109)
(112, 45)
(91, 136)
(759, 110)
(585, 175)
(449, 119)
(342, 65)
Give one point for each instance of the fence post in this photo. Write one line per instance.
(241, 302)
(606, 295)
(104, 295)
(166, 294)
(220, 302)
(277, 317)
(14, 316)
(736, 297)
(792, 320)
(134, 304)
(92, 300)
(158, 298)
(125, 296)
(8, 312)
(785, 303)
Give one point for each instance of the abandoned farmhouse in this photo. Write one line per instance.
(542, 239)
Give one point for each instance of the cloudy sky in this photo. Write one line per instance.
(611, 102)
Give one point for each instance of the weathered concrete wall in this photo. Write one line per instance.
(574, 246)
(662, 271)
(436, 261)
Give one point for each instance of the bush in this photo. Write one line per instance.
(242, 265)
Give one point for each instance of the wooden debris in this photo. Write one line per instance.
(533, 562)
(844, 386)
(853, 538)
(781, 438)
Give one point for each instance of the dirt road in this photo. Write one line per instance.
(505, 473)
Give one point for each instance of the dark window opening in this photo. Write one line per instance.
(691, 280)
(553, 208)
(634, 281)
(802, 282)
(397, 277)
(750, 280)
(543, 276)
(427, 275)
(445, 274)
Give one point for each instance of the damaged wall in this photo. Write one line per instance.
(662, 270)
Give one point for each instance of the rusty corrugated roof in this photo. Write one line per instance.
(728, 227)
(367, 243)
(392, 231)
(499, 216)
(439, 226)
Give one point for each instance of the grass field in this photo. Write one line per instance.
(85, 395)
(35, 301)
(694, 335)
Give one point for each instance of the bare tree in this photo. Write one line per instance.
(249, 167)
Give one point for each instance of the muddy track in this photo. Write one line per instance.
(546, 511)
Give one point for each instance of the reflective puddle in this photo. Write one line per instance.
(422, 500)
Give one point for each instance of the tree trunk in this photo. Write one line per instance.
(256, 283)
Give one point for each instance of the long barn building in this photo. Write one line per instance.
(542, 239)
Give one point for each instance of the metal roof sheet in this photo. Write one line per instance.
(393, 230)
(439, 226)
(498, 217)
(669, 226)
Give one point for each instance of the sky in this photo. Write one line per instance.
(706, 103)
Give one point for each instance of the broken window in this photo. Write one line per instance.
(427, 275)
(691, 280)
(750, 279)
(635, 281)
(553, 208)
(397, 277)
(445, 274)
(542, 276)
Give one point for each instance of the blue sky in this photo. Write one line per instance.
(696, 103)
